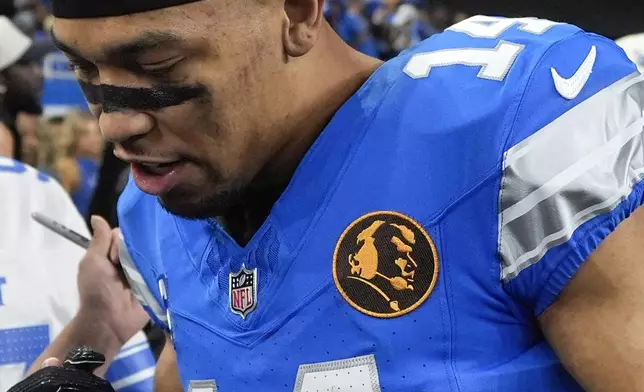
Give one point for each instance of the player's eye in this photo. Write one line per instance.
(160, 67)
(83, 70)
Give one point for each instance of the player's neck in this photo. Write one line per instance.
(336, 73)
(246, 218)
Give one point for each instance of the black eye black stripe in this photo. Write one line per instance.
(114, 99)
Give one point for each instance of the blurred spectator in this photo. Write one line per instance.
(401, 24)
(71, 149)
(459, 17)
(440, 16)
(53, 159)
(86, 148)
(413, 22)
(426, 23)
(14, 44)
(6, 142)
(384, 28)
(12, 48)
(23, 78)
(346, 19)
(21, 83)
(380, 13)
(30, 17)
(27, 127)
(47, 128)
(406, 12)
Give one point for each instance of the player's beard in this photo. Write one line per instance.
(202, 201)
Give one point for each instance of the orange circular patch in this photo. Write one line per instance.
(385, 264)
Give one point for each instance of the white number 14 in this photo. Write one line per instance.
(495, 63)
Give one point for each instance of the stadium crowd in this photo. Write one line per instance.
(44, 120)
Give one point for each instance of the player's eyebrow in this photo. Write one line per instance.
(64, 47)
(153, 39)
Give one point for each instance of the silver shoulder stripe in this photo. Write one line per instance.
(137, 283)
(576, 168)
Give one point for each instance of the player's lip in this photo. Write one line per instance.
(149, 161)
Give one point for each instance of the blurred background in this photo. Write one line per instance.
(44, 120)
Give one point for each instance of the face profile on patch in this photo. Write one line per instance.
(385, 264)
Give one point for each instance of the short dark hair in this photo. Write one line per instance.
(9, 122)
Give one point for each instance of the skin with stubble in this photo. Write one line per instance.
(228, 94)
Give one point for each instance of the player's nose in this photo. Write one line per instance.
(120, 126)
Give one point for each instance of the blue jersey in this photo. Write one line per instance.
(441, 211)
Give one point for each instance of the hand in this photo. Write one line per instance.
(75, 374)
(103, 294)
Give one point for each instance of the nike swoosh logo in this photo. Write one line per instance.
(571, 87)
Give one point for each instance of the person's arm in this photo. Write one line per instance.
(166, 377)
(109, 314)
(82, 331)
(596, 326)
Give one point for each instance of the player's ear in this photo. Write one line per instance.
(303, 22)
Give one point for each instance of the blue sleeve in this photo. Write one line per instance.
(152, 298)
(572, 166)
(132, 370)
(137, 218)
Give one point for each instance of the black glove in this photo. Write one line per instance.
(76, 374)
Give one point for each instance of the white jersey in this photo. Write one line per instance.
(38, 271)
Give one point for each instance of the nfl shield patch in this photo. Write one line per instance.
(242, 291)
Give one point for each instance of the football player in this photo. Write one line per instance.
(38, 290)
(303, 217)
